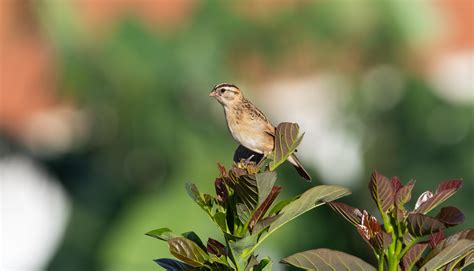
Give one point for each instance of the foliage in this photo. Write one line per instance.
(241, 210)
(399, 242)
(146, 124)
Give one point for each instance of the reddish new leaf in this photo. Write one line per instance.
(222, 170)
(449, 185)
(436, 238)
(382, 191)
(445, 190)
(413, 255)
(371, 231)
(187, 251)
(369, 226)
(262, 209)
(381, 241)
(221, 190)
(396, 184)
(421, 225)
(404, 194)
(351, 214)
(215, 247)
(450, 216)
(465, 234)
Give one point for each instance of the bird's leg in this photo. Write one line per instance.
(248, 159)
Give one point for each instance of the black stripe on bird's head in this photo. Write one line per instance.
(225, 93)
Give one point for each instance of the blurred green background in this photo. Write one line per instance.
(376, 85)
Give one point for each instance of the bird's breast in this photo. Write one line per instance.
(249, 133)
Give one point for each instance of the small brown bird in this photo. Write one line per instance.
(248, 125)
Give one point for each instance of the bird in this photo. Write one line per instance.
(248, 125)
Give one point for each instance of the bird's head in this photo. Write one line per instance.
(226, 94)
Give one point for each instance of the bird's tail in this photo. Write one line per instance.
(299, 167)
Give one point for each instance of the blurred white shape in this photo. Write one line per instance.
(33, 213)
(423, 198)
(316, 104)
(383, 87)
(453, 77)
(55, 131)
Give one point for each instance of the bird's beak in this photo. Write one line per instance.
(212, 94)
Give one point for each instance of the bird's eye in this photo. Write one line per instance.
(222, 90)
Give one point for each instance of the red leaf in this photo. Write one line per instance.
(396, 184)
(448, 185)
(215, 247)
(221, 190)
(413, 255)
(444, 191)
(222, 170)
(351, 214)
(373, 234)
(404, 194)
(436, 238)
(451, 240)
(262, 209)
(382, 191)
(420, 224)
(450, 216)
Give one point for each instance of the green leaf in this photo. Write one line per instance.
(173, 265)
(264, 265)
(382, 191)
(220, 219)
(188, 251)
(421, 225)
(244, 248)
(445, 190)
(251, 263)
(413, 255)
(449, 254)
(252, 191)
(164, 234)
(286, 141)
(193, 192)
(326, 259)
(264, 223)
(265, 182)
(310, 199)
(243, 213)
(468, 260)
(464, 234)
(247, 191)
(195, 238)
(281, 204)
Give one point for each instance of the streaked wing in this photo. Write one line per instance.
(255, 113)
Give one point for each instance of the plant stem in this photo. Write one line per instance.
(380, 262)
(408, 246)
